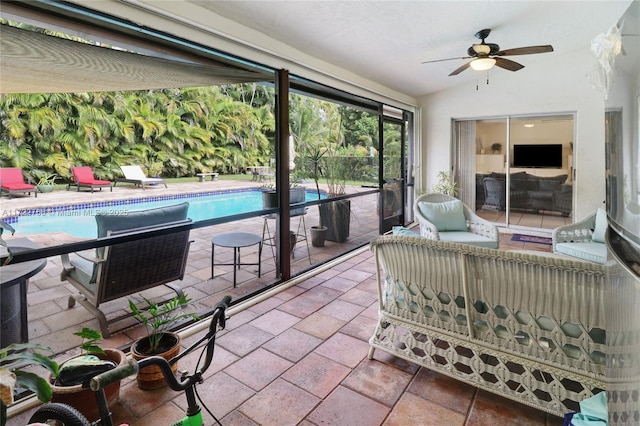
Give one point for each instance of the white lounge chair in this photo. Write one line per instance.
(135, 175)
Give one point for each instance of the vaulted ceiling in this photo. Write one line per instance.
(387, 41)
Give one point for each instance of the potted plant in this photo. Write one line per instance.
(4, 226)
(158, 320)
(496, 148)
(336, 215)
(14, 359)
(446, 184)
(46, 182)
(313, 157)
(67, 384)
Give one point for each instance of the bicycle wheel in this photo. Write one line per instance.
(63, 414)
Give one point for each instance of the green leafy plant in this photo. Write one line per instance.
(446, 184)
(158, 319)
(90, 338)
(17, 356)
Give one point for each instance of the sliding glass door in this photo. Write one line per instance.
(517, 171)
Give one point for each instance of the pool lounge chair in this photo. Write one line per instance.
(135, 175)
(12, 182)
(83, 177)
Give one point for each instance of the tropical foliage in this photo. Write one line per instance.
(169, 132)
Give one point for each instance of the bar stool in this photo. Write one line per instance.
(268, 239)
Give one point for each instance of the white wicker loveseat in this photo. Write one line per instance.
(525, 326)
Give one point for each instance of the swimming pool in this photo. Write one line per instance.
(79, 219)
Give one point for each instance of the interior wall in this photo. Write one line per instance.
(558, 86)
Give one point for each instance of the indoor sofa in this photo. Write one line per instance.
(526, 192)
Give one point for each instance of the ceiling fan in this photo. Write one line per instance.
(486, 55)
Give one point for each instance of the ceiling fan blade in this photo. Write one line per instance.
(448, 59)
(508, 65)
(460, 69)
(529, 50)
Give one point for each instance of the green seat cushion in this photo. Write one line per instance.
(591, 251)
(83, 272)
(445, 216)
(468, 238)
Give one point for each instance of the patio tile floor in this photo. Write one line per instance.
(300, 357)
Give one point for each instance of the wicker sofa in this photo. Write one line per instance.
(530, 327)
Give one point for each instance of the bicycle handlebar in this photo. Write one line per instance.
(132, 366)
(101, 380)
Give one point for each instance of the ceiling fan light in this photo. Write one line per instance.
(482, 64)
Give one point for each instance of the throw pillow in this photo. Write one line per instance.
(601, 226)
(446, 216)
(401, 230)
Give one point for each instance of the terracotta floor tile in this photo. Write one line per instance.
(320, 325)
(258, 368)
(344, 349)
(164, 414)
(346, 407)
(266, 305)
(279, 404)
(275, 321)
(360, 297)
(221, 393)
(378, 381)
(489, 409)
(443, 390)
(244, 339)
(236, 418)
(413, 410)
(317, 374)
(292, 344)
(360, 327)
(355, 274)
(342, 310)
(340, 283)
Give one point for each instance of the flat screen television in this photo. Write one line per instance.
(542, 155)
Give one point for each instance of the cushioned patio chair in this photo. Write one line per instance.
(119, 270)
(12, 182)
(583, 239)
(446, 218)
(83, 177)
(135, 175)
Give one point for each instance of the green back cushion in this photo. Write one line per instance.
(138, 219)
(601, 226)
(401, 230)
(445, 216)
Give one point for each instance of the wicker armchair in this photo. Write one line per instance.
(583, 239)
(123, 269)
(477, 231)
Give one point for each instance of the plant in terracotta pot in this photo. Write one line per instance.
(15, 361)
(158, 321)
(67, 384)
(313, 158)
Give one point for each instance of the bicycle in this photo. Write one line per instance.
(69, 416)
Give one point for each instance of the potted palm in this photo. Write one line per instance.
(336, 215)
(159, 340)
(313, 158)
(67, 384)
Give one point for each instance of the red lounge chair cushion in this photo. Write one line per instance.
(84, 175)
(12, 179)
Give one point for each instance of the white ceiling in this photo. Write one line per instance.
(386, 41)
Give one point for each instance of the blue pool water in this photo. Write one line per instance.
(78, 220)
